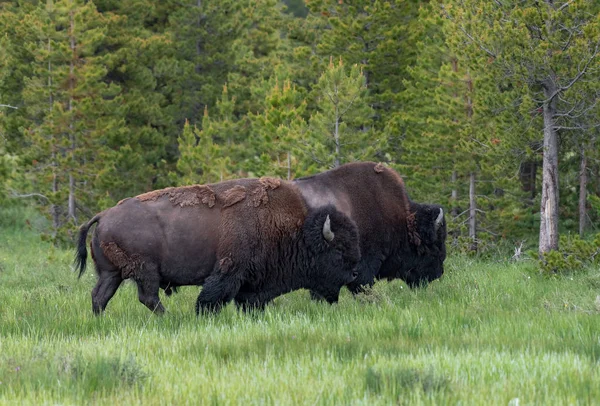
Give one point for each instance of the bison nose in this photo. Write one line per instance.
(354, 275)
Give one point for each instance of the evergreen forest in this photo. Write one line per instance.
(489, 108)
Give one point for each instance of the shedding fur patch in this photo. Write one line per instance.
(129, 265)
(413, 234)
(183, 196)
(234, 195)
(260, 194)
(379, 168)
(123, 200)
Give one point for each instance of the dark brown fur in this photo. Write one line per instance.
(252, 238)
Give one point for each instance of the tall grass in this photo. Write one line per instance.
(486, 333)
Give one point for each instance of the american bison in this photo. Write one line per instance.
(248, 239)
(398, 238)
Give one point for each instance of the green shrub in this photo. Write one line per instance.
(574, 254)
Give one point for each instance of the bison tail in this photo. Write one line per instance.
(81, 254)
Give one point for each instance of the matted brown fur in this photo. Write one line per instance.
(260, 194)
(123, 200)
(379, 168)
(183, 196)
(413, 234)
(234, 195)
(128, 265)
(225, 264)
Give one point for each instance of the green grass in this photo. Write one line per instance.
(486, 333)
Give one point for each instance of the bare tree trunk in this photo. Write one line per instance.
(454, 195)
(472, 213)
(54, 209)
(199, 47)
(533, 171)
(549, 200)
(582, 192)
(336, 136)
(72, 206)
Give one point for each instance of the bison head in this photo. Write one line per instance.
(427, 241)
(333, 247)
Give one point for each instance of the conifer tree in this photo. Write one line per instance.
(210, 155)
(66, 102)
(545, 51)
(276, 133)
(341, 129)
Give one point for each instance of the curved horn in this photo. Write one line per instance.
(439, 219)
(327, 233)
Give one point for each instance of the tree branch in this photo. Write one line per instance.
(576, 78)
(9, 106)
(16, 195)
(487, 51)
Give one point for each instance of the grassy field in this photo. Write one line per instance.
(486, 333)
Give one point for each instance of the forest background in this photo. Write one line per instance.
(489, 108)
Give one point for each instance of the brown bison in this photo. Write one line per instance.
(398, 238)
(248, 239)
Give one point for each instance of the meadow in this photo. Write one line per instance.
(489, 332)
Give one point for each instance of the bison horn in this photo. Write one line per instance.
(439, 219)
(327, 233)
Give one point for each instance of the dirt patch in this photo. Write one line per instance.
(379, 168)
(129, 265)
(123, 200)
(261, 193)
(183, 196)
(234, 195)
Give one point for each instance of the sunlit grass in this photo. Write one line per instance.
(486, 333)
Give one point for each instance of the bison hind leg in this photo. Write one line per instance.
(217, 291)
(148, 283)
(107, 285)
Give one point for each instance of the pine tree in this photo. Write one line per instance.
(276, 133)
(210, 155)
(340, 131)
(553, 49)
(67, 106)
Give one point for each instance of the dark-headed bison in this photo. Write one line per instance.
(398, 238)
(248, 239)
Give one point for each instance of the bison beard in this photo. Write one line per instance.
(250, 240)
(398, 238)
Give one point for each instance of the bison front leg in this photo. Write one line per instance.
(217, 291)
(247, 301)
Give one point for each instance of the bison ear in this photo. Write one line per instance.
(327, 233)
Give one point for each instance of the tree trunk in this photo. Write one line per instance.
(472, 213)
(71, 205)
(549, 200)
(582, 192)
(454, 195)
(54, 209)
(199, 43)
(336, 136)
